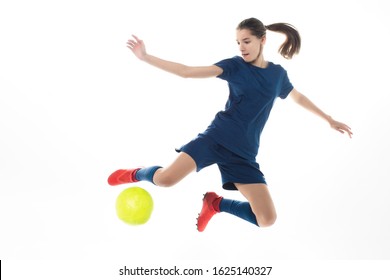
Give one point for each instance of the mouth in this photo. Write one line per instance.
(244, 55)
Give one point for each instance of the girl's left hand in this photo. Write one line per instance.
(340, 127)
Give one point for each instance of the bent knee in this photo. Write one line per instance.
(266, 221)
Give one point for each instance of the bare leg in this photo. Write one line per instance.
(175, 172)
(260, 201)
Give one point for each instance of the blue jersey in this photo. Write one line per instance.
(253, 91)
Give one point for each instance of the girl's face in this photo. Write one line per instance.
(250, 46)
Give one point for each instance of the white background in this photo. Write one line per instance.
(75, 105)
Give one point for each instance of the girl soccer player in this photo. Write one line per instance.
(232, 139)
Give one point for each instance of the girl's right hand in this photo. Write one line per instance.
(137, 46)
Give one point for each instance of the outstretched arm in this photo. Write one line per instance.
(309, 105)
(137, 46)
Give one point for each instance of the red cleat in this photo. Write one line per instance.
(123, 176)
(210, 208)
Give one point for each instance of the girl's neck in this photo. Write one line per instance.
(260, 62)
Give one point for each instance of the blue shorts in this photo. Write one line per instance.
(234, 169)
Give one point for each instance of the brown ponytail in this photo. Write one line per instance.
(292, 44)
(289, 48)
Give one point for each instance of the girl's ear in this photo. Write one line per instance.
(263, 40)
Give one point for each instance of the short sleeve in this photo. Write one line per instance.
(286, 86)
(229, 67)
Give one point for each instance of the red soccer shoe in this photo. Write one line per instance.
(210, 207)
(122, 176)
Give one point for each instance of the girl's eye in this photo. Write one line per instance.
(247, 42)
